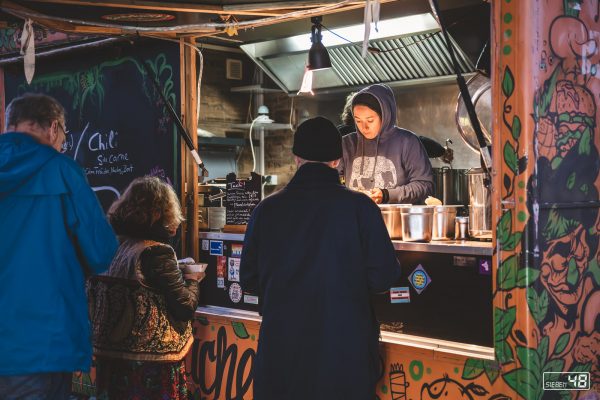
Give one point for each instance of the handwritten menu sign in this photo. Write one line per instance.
(118, 127)
(242, 196)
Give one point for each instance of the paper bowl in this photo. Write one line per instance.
(194, 268)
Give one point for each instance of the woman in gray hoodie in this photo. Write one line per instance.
(386, 162)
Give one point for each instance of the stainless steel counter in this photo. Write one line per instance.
(463, 247)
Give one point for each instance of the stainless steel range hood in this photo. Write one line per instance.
(405, 50)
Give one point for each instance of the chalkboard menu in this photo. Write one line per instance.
(118, 127)
(242, 196)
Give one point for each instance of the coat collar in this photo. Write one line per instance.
(314, 173)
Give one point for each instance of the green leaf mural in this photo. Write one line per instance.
(512, 242)
(524, 382)
(504, 227)
(473, 368)
(573, 272)
(529, 358)
(516, 127)
(240, 330)
(503, 351)
(510, 158)
(558, 226)
(555, 365)
(541, 107)
(508, 83)
(543, 349)
(507, 273)
(538, 304)
(585, 143)
(526, 276)
(492, 371)
(562, 343)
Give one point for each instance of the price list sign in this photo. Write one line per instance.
(242, 196)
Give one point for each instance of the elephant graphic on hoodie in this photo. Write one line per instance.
(394, 160)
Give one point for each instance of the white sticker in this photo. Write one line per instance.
(204, 244)
(250, 299)
(235, 292)
(220, 282)
(233, 270)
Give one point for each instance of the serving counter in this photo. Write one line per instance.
(436, 319)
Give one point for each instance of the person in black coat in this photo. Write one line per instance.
(314, 252)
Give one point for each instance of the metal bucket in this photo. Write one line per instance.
(451, 185)
(417, 223)
(443, 222)
(480, 210)
(392, 219)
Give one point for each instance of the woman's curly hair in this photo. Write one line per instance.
(143, 200)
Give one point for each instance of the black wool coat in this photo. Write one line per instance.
(314, 252)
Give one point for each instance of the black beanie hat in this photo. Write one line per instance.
(367, 99)
(317, 139)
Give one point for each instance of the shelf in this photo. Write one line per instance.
(266, 127)
(255, 89)
(220, 141)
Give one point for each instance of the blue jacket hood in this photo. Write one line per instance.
(387, 102)
(21, 161)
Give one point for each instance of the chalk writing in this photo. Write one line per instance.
(242, 196)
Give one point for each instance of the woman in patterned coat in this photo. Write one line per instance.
(142, 307)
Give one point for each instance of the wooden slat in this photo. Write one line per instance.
(54, 25)
(162, 6)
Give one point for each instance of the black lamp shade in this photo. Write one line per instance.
(318, 57)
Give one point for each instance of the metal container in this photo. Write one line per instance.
(443, 222)
(451, 185)
(461, 228)
(392, 218)
(480, 210)
(216, 218)
(417, 223)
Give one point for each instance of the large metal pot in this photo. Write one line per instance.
(417, 223)
(451, 185)
(480, 210)
(392, 218)
(443, 222)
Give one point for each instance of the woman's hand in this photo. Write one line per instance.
(195, 276)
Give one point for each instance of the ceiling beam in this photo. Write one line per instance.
(52, 24)
(163, 6)
(281, 5)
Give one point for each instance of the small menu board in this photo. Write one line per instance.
(242, 196)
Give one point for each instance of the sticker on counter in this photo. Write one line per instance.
(419, 279)
(485, 266)
(233, 272)
(221, 268)
(221, 283)
(399, 295)
(248, 298)
(464, 261)
(235, 292)
(204, 244)
(216, 247)
(236, 250)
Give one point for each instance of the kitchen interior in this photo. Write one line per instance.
(451, 244)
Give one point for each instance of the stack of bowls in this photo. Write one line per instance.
(417, 223)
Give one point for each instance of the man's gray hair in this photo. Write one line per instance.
(34, 107)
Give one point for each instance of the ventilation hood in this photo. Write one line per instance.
(404, 50)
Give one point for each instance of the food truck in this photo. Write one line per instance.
(507, 309)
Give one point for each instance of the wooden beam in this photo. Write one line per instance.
(51, 24)
(162, 6)
(284, 5)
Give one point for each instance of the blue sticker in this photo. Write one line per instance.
(216, 247)
(419, 279)
(399, 295)
(485, 266)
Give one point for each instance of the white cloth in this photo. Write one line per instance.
(371, 16)
(28, 50)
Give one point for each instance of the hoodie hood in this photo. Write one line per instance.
(21, 162)
(387, 103)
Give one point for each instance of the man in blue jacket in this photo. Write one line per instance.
(313, 252)
(53, 232)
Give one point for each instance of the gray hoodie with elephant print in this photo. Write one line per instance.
(395, 160)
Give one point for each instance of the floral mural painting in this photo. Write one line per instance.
(547, 231)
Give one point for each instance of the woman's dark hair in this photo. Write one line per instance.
(368, 100)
